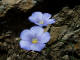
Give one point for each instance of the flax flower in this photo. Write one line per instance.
(34, 39)
(41, 19)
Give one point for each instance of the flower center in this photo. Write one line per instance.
(41, 22)
(34, 40)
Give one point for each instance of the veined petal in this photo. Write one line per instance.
(37, 14)
(25, 45)
(37, 47)
(46, 22)
(51, 21)
(26, 35)
(45, 37)
(46, 16)
(35, 17)
(37, 30)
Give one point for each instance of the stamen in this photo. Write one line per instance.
(34, 40)
(41, 22)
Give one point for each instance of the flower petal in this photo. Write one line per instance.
(45, 37)
(35, 17)
(37, 30)
(37, 14)
(26, 35)
(45, 22)
(46, 16)
(37, 47)
(51, 21)
(25, 45)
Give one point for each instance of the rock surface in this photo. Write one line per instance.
(24, 5)
(65, 36)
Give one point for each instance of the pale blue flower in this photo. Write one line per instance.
(41, 19)
(34, 39)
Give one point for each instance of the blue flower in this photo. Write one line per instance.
(41, 19)
(34, 39)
